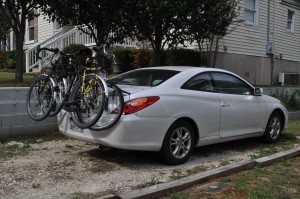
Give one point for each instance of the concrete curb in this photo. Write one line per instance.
(160, 190)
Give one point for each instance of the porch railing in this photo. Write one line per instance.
(60, 40)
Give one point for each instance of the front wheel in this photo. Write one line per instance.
(40, 99)
(273, 129)
(179, 143)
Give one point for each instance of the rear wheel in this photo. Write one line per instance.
(179, 143)
(89, 103)
(273, 129)
(40, 100)
(114, 106)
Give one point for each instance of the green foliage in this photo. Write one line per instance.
(182, 57)
(103, 16)
(73, 48)
(17, 13)
(141, 58)
(159, 22)
(9, 59)
(7, 79)
(123, 58)
(292, 103)
(138, 58)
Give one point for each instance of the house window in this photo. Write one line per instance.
(30, 34)
(290, 21)
(250, 15)
(30, 29)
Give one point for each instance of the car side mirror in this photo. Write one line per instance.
(258, 91)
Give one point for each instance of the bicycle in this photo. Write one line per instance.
(114, 101)
(81, 95)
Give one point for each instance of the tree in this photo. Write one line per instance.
(158, 21)
(209, 21)
(101, 17)
(4, 28)
(16, 12)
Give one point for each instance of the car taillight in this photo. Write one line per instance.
(138, 104)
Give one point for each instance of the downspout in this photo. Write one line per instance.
(268, 40)
(268, 26)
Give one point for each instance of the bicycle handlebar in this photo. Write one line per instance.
(54, 50)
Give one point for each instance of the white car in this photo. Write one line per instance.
(173, 109)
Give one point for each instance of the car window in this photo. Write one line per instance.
(227, 83)
(200, 82)
(146, 77)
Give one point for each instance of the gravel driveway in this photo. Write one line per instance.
(73, 169)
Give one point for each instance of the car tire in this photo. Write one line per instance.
(178, 143)
(273, 129)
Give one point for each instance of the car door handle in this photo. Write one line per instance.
(224, 104)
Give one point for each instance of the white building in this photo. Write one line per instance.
(245, 50)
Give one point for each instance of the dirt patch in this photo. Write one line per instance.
(69, 168)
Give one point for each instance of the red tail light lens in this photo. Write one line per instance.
(138, 104)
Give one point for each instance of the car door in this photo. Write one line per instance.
(202, 101)
(242, 112)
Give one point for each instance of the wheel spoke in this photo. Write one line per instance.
(180, 142)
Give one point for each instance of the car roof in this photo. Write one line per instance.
(184, 68)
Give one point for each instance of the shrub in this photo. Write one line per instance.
(73, 48)
(182, 57)
(123, 58)
(141, 58)
(9, 60)
(292, 103)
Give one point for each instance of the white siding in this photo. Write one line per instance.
(45, 30)
(287, 43)
(252, 40)
(248, 39)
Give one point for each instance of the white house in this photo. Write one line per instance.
(264, 48)
(266, 44)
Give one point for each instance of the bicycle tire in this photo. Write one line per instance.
(59, 97)
(88, 103)
(114, 110)
(39, 101)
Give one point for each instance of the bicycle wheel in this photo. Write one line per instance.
(59, 96)
(113, 111)
(40, 100)
(88, 104)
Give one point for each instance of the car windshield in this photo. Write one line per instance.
(146, 77)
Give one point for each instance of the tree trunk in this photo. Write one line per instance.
(216, 52)
(19, 58)
(157, 56)
(200, 52)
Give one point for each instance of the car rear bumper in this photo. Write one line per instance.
(131, 132)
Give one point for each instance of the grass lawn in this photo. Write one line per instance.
(281, 180)
(7, 79)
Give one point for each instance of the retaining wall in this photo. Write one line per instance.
(14, 120)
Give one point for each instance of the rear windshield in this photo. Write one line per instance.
(151, 77)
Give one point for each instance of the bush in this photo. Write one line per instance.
(73, 48)
(9, 59)
(141, 58)
(124, 58)
(182, 57)
(292, 103)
